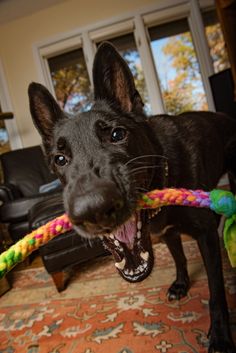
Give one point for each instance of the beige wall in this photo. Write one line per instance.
(17, 39)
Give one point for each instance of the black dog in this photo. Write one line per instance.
(107, 156)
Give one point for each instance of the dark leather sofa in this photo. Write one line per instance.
(24, 208)
(24, 171)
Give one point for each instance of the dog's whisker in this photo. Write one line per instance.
(146, 156)
(138, 187)
(141, 189)
(138, 173)
(147, 163)
(144, 167)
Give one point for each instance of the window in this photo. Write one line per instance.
(71, 81)
(172, 77)
(127, 48)
(215, 41)
(177, 67)
(4, 138)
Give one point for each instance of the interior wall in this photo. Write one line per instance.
(18, 37)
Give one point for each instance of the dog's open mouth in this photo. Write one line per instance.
(130, 245)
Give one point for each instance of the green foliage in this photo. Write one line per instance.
(180, 49)
(217, 47)
(72, 81)
(181, 93)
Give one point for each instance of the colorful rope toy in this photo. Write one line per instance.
(220, 201)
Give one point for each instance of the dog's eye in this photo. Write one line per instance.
(60, 160)
(118, 134)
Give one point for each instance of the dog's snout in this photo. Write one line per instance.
(107, 214)
(97, 210)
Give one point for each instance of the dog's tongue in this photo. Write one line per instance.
(126, 232)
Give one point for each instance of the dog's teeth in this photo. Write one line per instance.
(144, 255)
(139, 225)
(120, 265)
(116, 242)
(139, 234)
(126, 272)
(141, 268)
(112, 236)
(131, 272)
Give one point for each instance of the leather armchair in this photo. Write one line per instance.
(24, 172)
(24, 208)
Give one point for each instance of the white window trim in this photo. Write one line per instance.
(202, 49)
(165, 10)
(150, 73)
(61, 46)
(89, 50)
(55, 48)
(6, 105)
(111, 31)
(167, 15)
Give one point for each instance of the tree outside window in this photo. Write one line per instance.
(71, 81)
(174, 57)
(177, 65)
(216, 41)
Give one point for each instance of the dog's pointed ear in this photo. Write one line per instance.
(45, 111)
(113, 80)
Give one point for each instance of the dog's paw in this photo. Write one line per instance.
(178, 290)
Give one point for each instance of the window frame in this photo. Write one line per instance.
(132, 26)
(136, 22)
(6, 106)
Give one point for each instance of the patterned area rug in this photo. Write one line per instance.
(101, 313)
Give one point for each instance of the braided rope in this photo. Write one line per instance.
(170, 196)
(24, 247)
(220, 201)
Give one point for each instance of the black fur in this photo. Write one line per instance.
(107, 156)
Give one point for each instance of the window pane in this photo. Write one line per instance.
(215, 41)
(71, 81)
(177, 67)
(4, 138)
(127, 48)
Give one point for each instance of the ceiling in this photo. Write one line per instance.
(14, 9)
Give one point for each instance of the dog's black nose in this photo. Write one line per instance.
(97, 210)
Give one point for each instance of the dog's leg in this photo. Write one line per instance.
(232, 182)
(180, 286)
(220, 336)
(231, 164)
